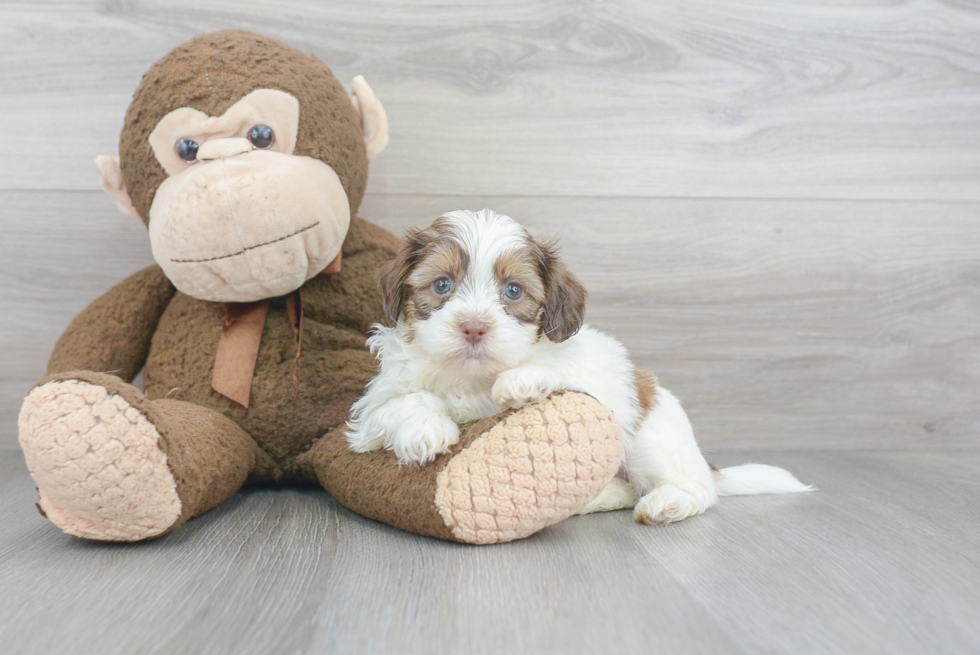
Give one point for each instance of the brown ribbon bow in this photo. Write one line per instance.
(238, 346)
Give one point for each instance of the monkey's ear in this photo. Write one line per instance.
(374, 122)
(112, 182)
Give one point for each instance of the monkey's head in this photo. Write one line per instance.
(246, 159)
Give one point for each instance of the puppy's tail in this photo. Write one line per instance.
(750, 479)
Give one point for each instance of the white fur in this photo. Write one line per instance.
(750, 479)
(416, 426)
(430, 378)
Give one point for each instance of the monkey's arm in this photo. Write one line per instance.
(112, 335)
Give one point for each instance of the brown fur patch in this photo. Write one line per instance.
(646, 392)
(406, 281)
(564, 307)
(521, 267)
(443, 257)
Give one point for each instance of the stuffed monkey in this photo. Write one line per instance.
(247, 161)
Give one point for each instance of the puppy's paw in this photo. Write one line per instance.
(618, 494)
(360, 441)
(668, 503)
(420, 440)
(524, 384)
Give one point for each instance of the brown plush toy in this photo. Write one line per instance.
(247, 160)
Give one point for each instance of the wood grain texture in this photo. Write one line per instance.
(813, 99)
(882, 559)
(780, 324)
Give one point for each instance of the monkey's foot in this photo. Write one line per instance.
(534, 468)
(96, 461)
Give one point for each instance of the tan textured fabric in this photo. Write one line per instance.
(112, 465)
(535, 468)
(250, 227)
(97, 463)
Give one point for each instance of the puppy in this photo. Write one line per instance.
(485, 318)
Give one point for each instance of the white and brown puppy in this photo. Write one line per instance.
(485, 318)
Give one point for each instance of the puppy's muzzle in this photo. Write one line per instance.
(474, 331)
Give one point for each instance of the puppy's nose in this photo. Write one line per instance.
(474, 331)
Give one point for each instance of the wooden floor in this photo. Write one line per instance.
(775, 205)
(885, 558)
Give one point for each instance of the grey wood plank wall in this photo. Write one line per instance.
(775, 205)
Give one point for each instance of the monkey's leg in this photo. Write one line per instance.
(508, 477)
(112, 465)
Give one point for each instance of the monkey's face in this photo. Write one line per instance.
(246, 158)
(241, 217)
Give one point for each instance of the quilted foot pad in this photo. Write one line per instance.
(536, 468)
(96, 463)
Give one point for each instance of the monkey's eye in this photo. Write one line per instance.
(261, 136)
(442, 286)
(186, 149)
(513, 291)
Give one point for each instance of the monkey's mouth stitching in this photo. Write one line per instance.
(247, 248)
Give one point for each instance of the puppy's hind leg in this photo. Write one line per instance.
(663, 460)
(618, 494)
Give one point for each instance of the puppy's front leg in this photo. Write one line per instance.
(525, 384)
(417, 427)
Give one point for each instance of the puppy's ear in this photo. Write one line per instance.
(564, 304)
(393, 276)
(391, 279)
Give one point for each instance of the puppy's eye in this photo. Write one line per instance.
(186, 149)
(513, 292)
(442, 286)
(261, 136)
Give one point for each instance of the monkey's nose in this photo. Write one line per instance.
(474, 331)
(221, 148)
